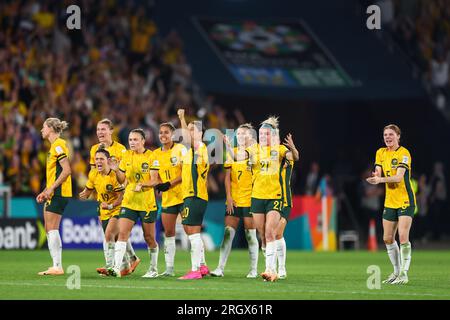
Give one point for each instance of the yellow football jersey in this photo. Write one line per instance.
(241, 180)
(195, 172)
(116, 151)
(136, 167)
(168, 164)
(58, 151)
(107, 188)
(398, 195)
(286, 175)
(268, 164)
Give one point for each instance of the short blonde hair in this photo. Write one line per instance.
(393, 127)
(107, 122)
(57, 125)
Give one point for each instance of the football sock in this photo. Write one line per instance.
(281, 253)
(406, 256)
(153, 252)
(253, 247)
(225, 247)
(196, 243)
(55, 247)
(394, 256)
(169, 252)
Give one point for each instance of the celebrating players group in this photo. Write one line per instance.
(257, 183)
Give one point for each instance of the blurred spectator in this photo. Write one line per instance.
(439, 217)
(421, 223)
(312, 179)
(422, 29)
(371, 202)
(325, 187)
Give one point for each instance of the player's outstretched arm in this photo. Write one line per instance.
(115, 167)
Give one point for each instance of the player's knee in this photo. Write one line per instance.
(270, 235)
(388, 239)
(169, 232)
(123, 236)
(150, 240)
(404, 238)
(109, 237)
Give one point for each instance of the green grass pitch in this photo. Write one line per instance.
(339, 275)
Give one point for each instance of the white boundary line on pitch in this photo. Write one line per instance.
(374, 292)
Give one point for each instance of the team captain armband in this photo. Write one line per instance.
(404, 162)
(60, 153)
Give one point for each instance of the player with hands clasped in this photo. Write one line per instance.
(393, 168)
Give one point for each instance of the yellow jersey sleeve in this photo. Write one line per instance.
(92, 154)
(283, 151)
(117, 151)
(155, 163)
(60, 150)
(229, 160)
(123, 165)
(378, 158)
(404, 159)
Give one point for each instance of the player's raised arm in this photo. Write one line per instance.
(289, 143)
(116, 168)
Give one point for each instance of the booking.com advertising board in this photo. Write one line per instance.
(80, 228)
(76, 233)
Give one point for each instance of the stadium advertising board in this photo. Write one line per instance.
(87, 233)
(22, 234)
(273, 53)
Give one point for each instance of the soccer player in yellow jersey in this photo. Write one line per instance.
(105, 130)
(393, 168)
(194, 174)
(167, 168)
(267, 192)
(238, 185)
(138, 201)
(109, 196)
(58, 190)
(286, 175)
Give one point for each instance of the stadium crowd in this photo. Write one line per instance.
(117, 66)
(422, 30)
